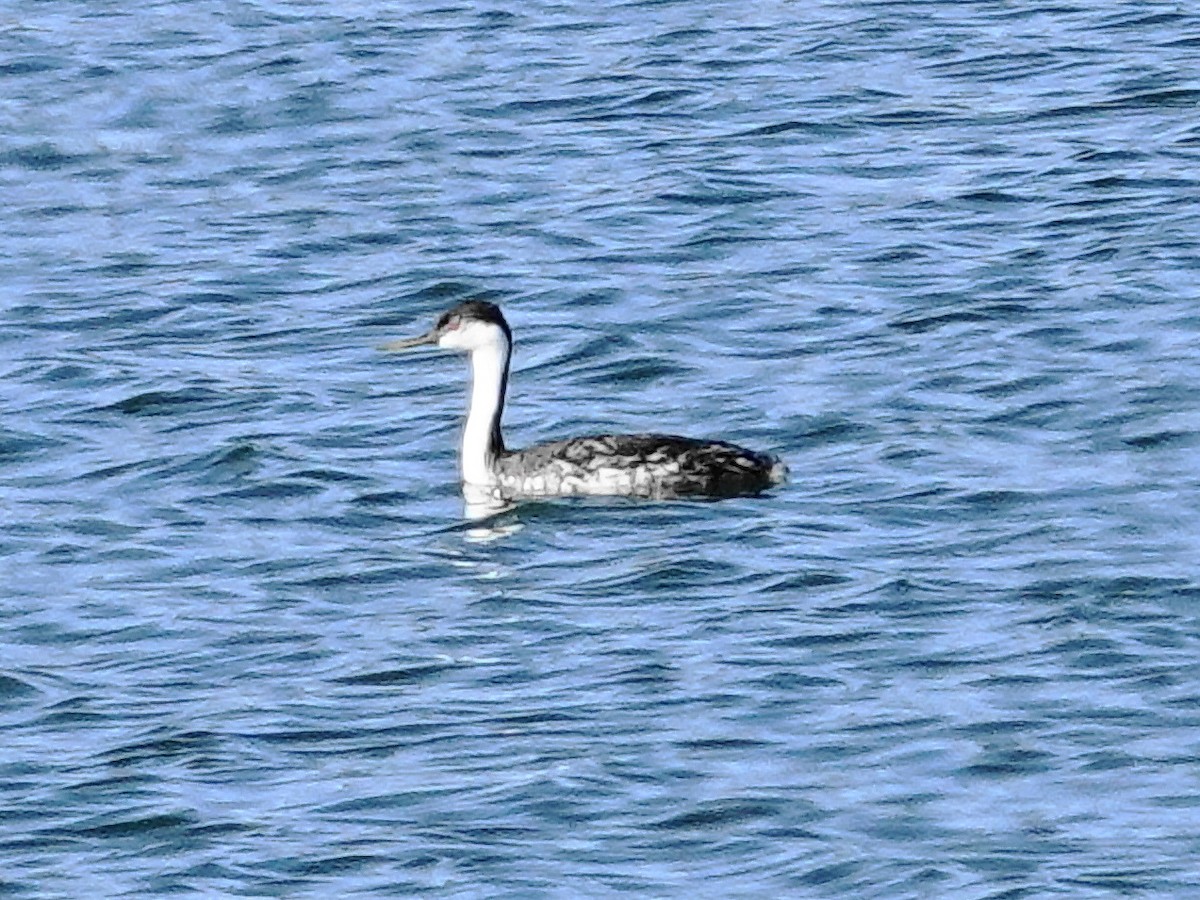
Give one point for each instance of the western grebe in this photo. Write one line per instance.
(654, 466)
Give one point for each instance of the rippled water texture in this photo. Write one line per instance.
(940, 256)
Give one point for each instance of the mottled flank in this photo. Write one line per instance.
(654, 466)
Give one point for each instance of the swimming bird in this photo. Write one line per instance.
(654, 466)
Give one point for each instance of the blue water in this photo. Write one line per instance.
(942, 257)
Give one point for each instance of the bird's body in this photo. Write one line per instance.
(653, 466)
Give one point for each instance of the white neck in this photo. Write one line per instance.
(481, 440)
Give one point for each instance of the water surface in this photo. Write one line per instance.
(942, 257)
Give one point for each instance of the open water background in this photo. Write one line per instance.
(941, 256)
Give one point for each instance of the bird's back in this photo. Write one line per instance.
(637, 465)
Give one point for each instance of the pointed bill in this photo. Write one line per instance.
(406, 343)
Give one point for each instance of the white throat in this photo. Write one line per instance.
(481, 441)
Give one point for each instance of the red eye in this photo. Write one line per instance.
(453, 324)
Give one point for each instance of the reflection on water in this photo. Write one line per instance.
(481, 503)
(484, 535)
